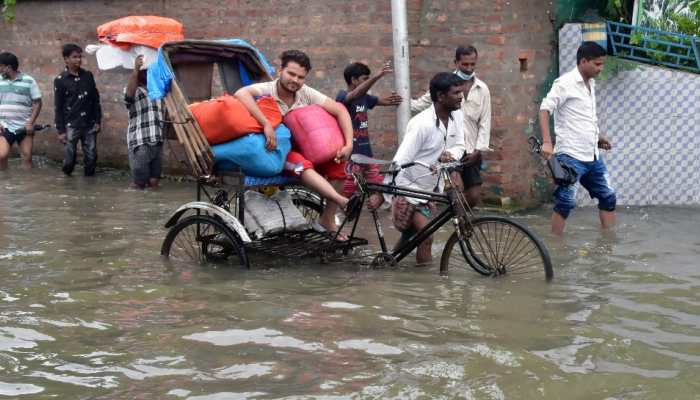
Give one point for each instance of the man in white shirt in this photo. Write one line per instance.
(476, 109)
(435, 134)
(572, 101)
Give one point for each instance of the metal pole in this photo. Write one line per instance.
(401, 70)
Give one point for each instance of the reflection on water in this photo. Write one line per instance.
(89, 310)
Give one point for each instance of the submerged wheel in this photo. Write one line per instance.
(497, 246)
(202, 239)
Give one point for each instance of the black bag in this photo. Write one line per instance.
(562, 173)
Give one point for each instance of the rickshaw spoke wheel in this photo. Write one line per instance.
(497, 246)
(308, 203)
(200, 239)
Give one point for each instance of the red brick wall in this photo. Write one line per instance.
(334, 33)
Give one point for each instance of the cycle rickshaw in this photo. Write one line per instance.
(213, 229)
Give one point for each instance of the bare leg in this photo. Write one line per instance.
(25, 150)
(423, 251)
(607, 219)
(558, 223)
(327, 219)
(311, 179)
(4, 153)
(473, 195)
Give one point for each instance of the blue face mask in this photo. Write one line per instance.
(464, 76)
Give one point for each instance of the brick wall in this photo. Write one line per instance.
(334, 33)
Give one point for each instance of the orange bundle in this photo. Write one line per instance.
(148, 31)
(225, 118)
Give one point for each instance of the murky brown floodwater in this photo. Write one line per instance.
(89, 310)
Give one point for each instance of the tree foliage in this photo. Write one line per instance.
(8, 10)
(680, 16)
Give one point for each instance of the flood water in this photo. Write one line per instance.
(89, 310)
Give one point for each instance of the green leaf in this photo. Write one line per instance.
(8, 10)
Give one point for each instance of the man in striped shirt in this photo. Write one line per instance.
(20, 104)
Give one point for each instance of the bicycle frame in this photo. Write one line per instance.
(405, 248)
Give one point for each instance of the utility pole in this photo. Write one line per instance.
(401, 70)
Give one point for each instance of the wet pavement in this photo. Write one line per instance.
(88, 309)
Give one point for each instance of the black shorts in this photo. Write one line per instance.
(471, 174)
(12, 137)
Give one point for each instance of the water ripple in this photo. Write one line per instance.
(270, 337)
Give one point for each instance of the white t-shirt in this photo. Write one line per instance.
(303, 97)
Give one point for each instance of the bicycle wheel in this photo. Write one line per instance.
(498, 246)
(308, 203)
(202, 239)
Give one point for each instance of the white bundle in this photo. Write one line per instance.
(268, 215)
(110, 57)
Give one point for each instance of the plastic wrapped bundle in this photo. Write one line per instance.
(151, 31)
(269, 215)
(249, 154)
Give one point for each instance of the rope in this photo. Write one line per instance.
(284, 220)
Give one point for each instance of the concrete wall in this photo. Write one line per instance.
(334, 33)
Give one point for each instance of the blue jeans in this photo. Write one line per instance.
(88, 141)
(593, 175)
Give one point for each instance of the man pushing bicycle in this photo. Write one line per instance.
(435, 134)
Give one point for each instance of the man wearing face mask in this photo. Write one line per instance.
(476, 108)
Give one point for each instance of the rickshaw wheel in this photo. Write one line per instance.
(202, 239)
(309, 208)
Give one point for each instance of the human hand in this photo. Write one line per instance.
(270, 138)
(375, 200)
(138, 63)
(446, 157)
(472, 158)
(97, 128)
(393, 99)
(29, 128)
(604, 143)
(62, 138)
(547, 150)
(386, 69)
(343, 154)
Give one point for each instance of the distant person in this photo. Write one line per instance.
(20, 104)
(572, 101)
(77, 110)
(290, 93)
(435, 134)
(145, 135)
(358, 102)
(476, 108)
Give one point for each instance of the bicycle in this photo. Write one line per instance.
(491, 245)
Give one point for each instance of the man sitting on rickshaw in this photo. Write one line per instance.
(290, 93)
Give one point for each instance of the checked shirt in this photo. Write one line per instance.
(145, 119)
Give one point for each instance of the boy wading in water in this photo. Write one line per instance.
(77, 110)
